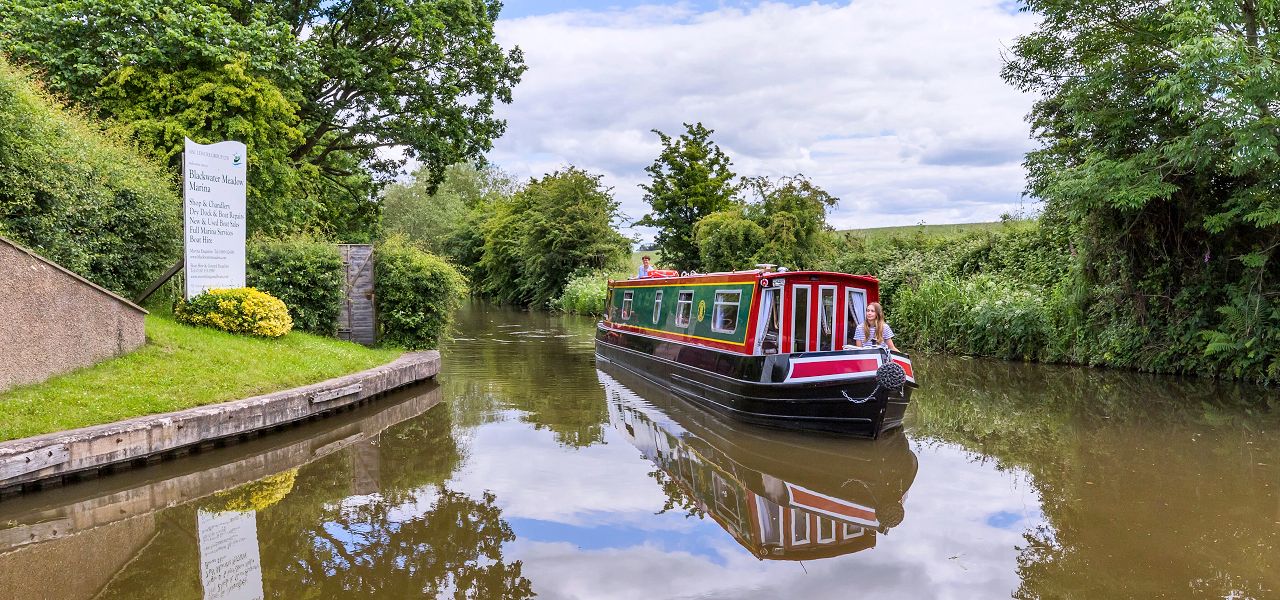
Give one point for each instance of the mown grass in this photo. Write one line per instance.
(939, 231)
(179, 367)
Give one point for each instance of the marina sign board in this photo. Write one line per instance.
(213, 193)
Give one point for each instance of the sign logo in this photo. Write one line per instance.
(237, 160)
(702, 310)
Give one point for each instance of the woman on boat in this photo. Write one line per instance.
(874, 331)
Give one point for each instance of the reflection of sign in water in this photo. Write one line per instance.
(213, 193)
(230, 567)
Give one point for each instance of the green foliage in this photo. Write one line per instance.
(315, 89)
(303, 271)
(78, 195)
(237, 310)
(728, 240)
(160, 109)
(793, 213)
(1159, 159)
(690, 180)
(555, 227)
(585, 294)
(417, 294)
(446, 221)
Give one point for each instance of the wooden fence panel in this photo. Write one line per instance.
(358, 319)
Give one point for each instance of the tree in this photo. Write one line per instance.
(1159, 151)
(785, 223)
(159, 109)
(444, 221)
(793, 213)
(728, 240)
(553, 228)
(690, 180)
(366, 84)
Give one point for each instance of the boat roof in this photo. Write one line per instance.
(744, 276)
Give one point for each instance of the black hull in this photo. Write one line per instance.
(740, 386)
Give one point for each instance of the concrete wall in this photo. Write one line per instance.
(52, 320)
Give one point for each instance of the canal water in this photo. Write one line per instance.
(531, 470)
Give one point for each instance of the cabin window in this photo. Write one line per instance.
(827, 318)
(852, 531)
(626, 304)
(770, 518)
(684, 308)
(724, 315)
(800, 319)
(826, 530)
(771, 321)
(657, 308)
(799, 527)
(855, 313)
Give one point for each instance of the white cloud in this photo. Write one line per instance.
(945, 548)
(895, 106)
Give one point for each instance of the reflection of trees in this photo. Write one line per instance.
(377, 549)
(526, 366)
(1150, 486)
(676, 498)
(322, 537)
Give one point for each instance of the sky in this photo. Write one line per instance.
(894, 106)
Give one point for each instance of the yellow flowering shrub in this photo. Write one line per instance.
(256, 495)
(238, 310)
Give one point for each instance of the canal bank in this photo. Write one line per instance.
(48, 459)
(537, 474)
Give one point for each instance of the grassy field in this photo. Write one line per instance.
(938, 231)
(179, 367)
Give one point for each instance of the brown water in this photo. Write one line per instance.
(530, 471)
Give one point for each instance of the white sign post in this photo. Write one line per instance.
(213, 193)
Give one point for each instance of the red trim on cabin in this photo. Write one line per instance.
(833, 367)
(814, 279)
(686, 339)
(906, 367)
(804, 499)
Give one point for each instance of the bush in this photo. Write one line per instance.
(78, 196)
(585, 294)
(238, 310)
(305, 272)
(417, 294)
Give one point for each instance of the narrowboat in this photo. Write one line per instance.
(770, 347)
(782, 495)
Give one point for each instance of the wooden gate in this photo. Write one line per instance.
(357, 319)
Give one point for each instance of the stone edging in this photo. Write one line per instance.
(55, 455)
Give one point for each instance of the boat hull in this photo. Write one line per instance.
(804, 391)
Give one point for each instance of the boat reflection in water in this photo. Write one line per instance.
(783, 495)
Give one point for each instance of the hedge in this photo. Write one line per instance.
(417, 293)
(305, 272)
(79, 196)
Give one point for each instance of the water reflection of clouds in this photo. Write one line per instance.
(535, 478)
(585, 526)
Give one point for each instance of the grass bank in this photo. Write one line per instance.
(179, 367)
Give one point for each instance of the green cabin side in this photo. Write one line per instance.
(658, 308)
